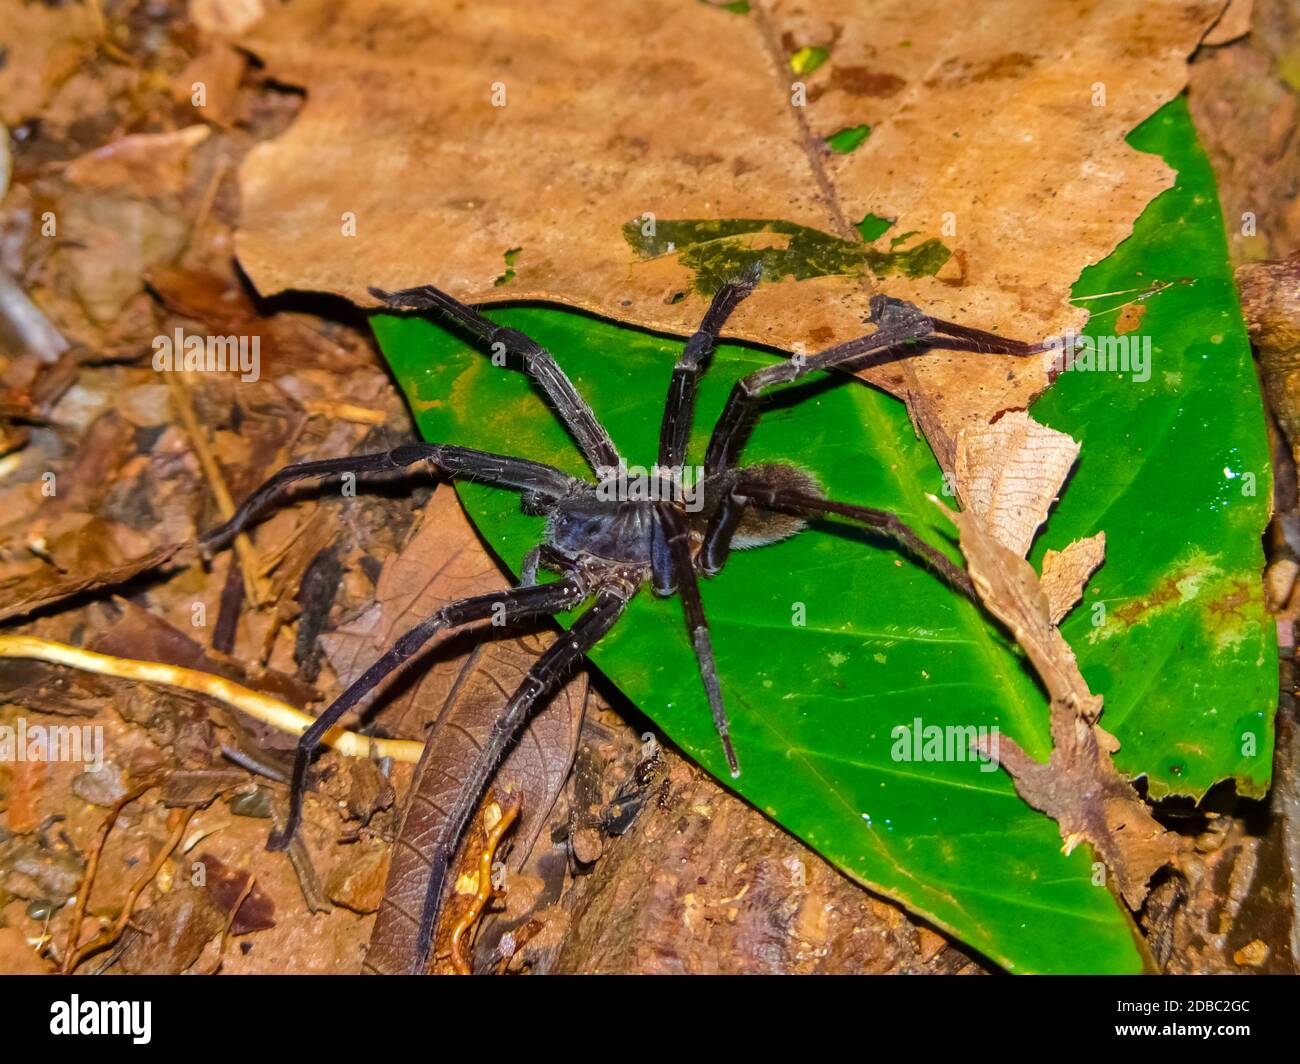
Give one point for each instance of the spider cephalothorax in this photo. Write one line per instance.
(610, 536)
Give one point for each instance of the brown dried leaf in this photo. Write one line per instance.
(53, 42)
(110, 241)
(148, 164)
(1233, 23)
(222, 304)
(1009, 473)
(1078, 786)
(174, 931)
(225, 886)
(971, 135)
(218, 68)
(1011, 590)
(458, 695)
(30, 593)
(1066, 572)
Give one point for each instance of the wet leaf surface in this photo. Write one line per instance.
(885, 646)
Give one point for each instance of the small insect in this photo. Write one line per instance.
(606, 542)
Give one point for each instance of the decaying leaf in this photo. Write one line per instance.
(31, 593)
(535, 771)
(148, 164)
(1011, 590)
(1078, 786)
(1009, 473)
(226, 886)
(1066, 572)
(1270, 301)
(173, 932)
(450, 701)
(430, 147)
(57, 40)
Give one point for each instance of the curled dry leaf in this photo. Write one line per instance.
(456, 692)
(1078, 786)
(149, 164)
(1011, 590)
(1009, 473)
(1270, 301)
(505, 155)
(30, 593)
(1066, 572)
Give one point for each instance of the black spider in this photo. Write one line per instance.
(605, 541)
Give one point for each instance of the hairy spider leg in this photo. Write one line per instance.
(530, 478)
(544, 555)
(981, 342)
(902, 329)
(896, 334)
(754, 492)
(586, 428)
(511, 605)
(611, 599)
(672, 530)
(679, 407)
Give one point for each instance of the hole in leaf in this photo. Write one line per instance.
(808, 59)
(848, 139)
(509, 274)
(873, 226)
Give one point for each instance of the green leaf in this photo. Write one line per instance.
(808, 59)
(511, 257)
(873, 226)
(717, 250)
(816, 707)
(1176, 470)
(848, 139)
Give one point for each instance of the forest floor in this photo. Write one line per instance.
(116, 229)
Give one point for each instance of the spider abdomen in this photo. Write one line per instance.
(759, 527)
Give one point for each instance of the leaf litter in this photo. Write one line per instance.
(108, 189)
(419, 178)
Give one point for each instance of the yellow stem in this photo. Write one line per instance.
(257, 705)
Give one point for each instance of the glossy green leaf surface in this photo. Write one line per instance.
(1176, 469)
(838, 657)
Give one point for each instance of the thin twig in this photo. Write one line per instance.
(253, 583)
(92, 867)
(253, 765)
(179, 820)
(300, 860)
